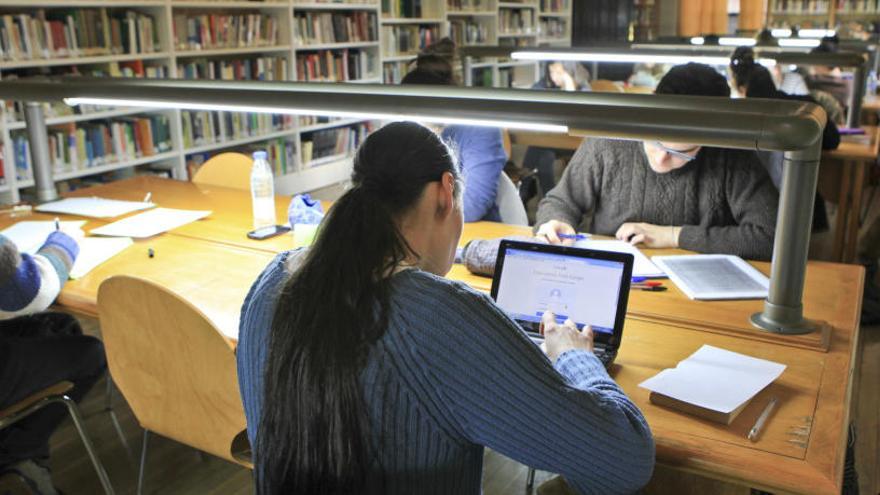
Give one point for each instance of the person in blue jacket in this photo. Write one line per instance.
(480, 150)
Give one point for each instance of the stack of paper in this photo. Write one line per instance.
(150, 223)
(642, 266)
(94, 207)
(95, 250)
(29, 236)
(717, 383)
(714, 276)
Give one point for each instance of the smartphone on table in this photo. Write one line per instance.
(267, 232)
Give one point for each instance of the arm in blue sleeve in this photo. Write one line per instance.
(571, 418)
(482, 160)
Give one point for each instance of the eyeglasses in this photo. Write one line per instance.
(676, 153)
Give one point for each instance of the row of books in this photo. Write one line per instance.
(801, 6)
(342, 27)
(282, 154)
(393, 72)
(408, 39)
(482, 77)
(76, 33)
(201, 128)
(260, 69)
(552, 27)
(858, 6)
(402, 8)
(333, 142)
(516, 20)
(193, 31)
(468, 32)
(81, 146)
(336, 65)
(310, 120)
(460, 5)
(554, 5)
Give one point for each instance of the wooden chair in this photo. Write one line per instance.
(605, 86)
(175, 369)
(644, 90)
(226, 170)
(56, 394)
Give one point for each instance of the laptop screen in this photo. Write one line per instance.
(579, 287)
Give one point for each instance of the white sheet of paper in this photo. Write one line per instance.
(714, 276)
(150, 223)
(715, 378)
(94, 207)
(95, 250)
(29, 236)
(642, 267)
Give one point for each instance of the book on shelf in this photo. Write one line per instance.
(858, 6)
(464, 5)
(333, 142)
(195, 31)
(516, 21)
(259, 68)
(552, 27)
(408, 39)
(402, 8)
(335, 27)
(483, 77)
(238, 125)
(2, 167)
(468, 32)
(199, 128)
(336, 65)
(801, 6)
(554, 6)
(59, 33)
(84, 145)
(393, 72)
(282, 155)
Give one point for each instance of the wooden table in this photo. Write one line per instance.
(856, 158)
(662, 329)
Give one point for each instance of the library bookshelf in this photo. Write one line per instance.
(357, 41)
(822, 13)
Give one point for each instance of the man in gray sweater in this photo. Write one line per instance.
(709, 200)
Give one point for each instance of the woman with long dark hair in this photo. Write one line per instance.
(362, 370)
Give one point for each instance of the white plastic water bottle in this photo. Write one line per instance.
(262, 191)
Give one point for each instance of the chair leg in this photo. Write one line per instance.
(80, 428)
(140, 487)
(108, 406)
(530, 479)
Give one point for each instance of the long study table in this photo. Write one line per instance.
(212, 263)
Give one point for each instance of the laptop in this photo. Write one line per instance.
(589, 287)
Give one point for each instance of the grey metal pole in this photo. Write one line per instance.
(783, 309)
(467, 74)
(853, 118)
(38, 141)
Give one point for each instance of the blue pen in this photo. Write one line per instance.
(639, 279)
(576, 237)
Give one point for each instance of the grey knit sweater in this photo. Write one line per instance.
(723, 200)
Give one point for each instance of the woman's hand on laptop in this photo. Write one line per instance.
(550, 232)
(565, 337)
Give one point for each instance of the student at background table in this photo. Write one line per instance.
(363, 370)
(480, 150)
(39, 349)
(753, 80)
(662, 194)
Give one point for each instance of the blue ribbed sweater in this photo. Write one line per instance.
(453, 374)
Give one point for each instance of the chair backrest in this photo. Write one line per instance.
(506, 143)
(643, 90)
(510, 206)
(227, 170)
(174, 368)
(605, 86)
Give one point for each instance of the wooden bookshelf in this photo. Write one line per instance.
(178, 58)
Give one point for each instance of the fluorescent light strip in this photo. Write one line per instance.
(737, 41)
(799, 42)
(816, 33)
(630, 58)
(431, 119)
(698, 40)
(781, 33)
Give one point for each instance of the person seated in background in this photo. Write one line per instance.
(480, 150)
(39, 349)
(567, 76)
(417, 372)
(753, 80)
(828, 79)
(662, 194)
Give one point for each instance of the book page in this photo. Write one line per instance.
(95, 250)
(642, 266)
(715, 379)
(29, 236)
(94, 207)
(714, 276)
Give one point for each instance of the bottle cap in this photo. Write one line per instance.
(260, 155)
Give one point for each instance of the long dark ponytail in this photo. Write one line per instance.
(313, 436)
(752, 76)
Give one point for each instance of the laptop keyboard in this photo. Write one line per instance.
(599, 350)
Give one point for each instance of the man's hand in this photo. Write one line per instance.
(652, 236)
(550, 232)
